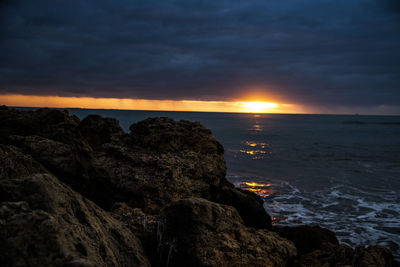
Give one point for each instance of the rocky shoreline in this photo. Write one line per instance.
(84, 193)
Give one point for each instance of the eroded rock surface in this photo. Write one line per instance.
(45, 223)
(203, 233)
(160, 161)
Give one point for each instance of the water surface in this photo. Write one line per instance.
(340, 172)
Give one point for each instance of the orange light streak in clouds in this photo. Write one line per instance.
(147, 104)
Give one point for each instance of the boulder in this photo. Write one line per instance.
(249, 205)
(45, 223)
(63, 159)
(166, 135)
(307, 238)
(48, 123)
(198, 232)
(98, 130)
(162, 160)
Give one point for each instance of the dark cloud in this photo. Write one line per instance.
(325, 52)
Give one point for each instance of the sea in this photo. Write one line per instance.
(341, 172)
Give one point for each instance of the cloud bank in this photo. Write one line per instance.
(326, 53)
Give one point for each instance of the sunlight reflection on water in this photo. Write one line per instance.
(255, 149)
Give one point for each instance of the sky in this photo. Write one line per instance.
(307, 56)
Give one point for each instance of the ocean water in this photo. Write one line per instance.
(341, 172)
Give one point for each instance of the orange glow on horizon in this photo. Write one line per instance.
(259, 107)
(147, 104)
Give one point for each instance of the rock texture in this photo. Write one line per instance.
(203, 233)
(45, 223)
(160, 161)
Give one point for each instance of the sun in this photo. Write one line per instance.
(259, 107)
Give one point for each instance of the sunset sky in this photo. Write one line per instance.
(293, 56)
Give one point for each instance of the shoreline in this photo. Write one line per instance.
(165, 182)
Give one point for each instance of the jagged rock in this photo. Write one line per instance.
(162, 160)
(49, 123)
(45, 223)
(63, 159)
(198, 232)
(248, 204)
(307, 238)
(98, 130)
(52, 138)
(166, 135)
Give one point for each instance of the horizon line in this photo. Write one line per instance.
(128, 104)
(222, 112)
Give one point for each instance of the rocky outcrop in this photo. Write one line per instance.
(317, 246)
(45, 223)
(98, 130)
(198, 232)
(84, 193)
(167, 135)
(48, 123)
(307, 238)
(249, 205)
(160, 161)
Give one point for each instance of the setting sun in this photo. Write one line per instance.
(148, 104)
(259, 107)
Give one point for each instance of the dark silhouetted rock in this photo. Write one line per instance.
(162, 160)
(307, 238)
(249, 205)
(98, 130)
(48, 123)
(374, 256)
(65, 160)
(167, 135)
(341, 255)
(328, 255)
(45, 223)
(198, 232)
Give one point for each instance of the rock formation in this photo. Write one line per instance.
(44, 223)
(203, 233)
(84, 193)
